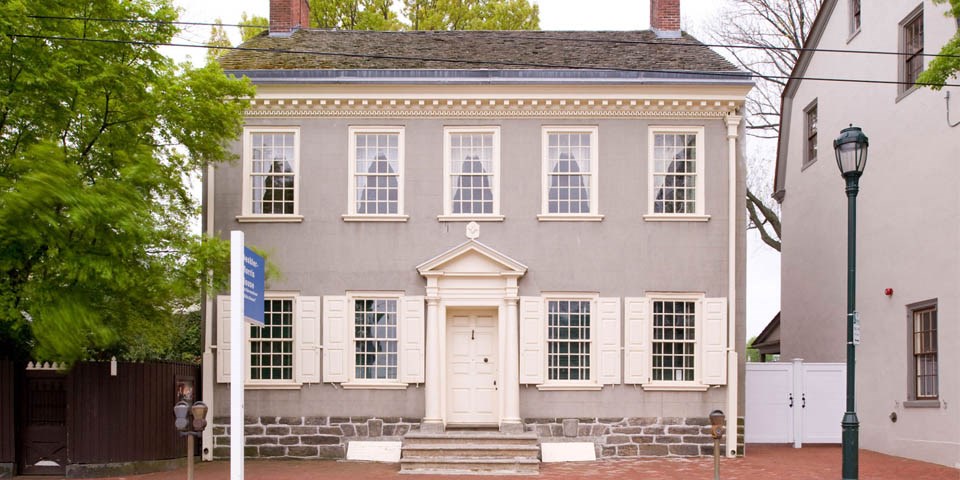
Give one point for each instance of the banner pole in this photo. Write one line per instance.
(238, 347)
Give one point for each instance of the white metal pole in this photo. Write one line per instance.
(237, 353)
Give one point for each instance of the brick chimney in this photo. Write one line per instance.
(287, 16)
(665, 18)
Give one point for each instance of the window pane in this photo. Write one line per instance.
(673, 340)
(569, 173)
(375, 338)
(272, 173)
(674, 172)
(377, 173)
(271, 345)
(568, 339)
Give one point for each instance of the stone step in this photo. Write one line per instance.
(468, 450)
(468, 466)
(474, 438)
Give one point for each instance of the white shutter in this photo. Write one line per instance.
(636, 357)
(223, 338)
(713, 363)
(307, 338)
(533, 329)
(609, 340)
(411, 340)
(335, 339)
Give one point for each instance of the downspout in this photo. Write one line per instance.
(206, 446)
(733, 375)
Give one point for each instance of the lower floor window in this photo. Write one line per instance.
(674, 342)
(375, 338)
(271, 346)
(568, 340)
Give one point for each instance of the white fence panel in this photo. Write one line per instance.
(794, 402)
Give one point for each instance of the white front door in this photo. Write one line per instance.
(472, 369)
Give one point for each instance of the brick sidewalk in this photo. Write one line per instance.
(761, 463)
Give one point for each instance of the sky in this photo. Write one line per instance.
(763, 263)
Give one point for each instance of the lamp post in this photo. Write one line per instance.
(851, 149)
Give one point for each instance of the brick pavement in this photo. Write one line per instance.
(762, 462)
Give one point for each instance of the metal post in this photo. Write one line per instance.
(190, 457)
(850, 423)
(716, 458)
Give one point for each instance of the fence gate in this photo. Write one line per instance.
(794, 402)
(44, 423)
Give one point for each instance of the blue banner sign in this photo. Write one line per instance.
(253, 272)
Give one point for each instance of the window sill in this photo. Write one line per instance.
(470, 218)
(272, 386)
(853, 35)
(571, 387)
(559, 217)
(807, 164)
(921, 404)
(269, 218)
(906, 93)
(664, 387)
(373, 386)
(375, 218)
(661, 217)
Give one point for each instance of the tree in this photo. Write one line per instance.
(98, 140)
(252, 26)
(354, 14)
(948, 63)
(753, 354)
(471, 14)
(774, 32)
(218, 38)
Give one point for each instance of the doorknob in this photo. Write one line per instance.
(485, 360)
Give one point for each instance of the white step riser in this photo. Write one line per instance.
(419, 442)
(477, 468)
(469, 453)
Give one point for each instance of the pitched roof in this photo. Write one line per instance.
(462, 50)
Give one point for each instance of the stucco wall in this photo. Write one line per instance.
(907, 235)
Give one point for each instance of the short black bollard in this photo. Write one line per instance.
(716, 430)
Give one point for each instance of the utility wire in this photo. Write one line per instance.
(537, 37)
(465, 61)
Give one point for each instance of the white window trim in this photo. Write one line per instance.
(277, 384)
(246, 211)
(696, 385)
(593, 215)
(700, 214)
(352, 215)
(448, 215)
(570, 385)
(374, 384)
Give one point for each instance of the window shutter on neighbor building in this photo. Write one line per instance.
(714, 357)
(609, 340)
(412, 339)
(307, 340)
(636, 356)
(533, 328)
(335, 335)
(223, 338)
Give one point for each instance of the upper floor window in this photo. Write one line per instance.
(376, 173)
(569, 173)
(924, 350)
(271, 173)
(911, 49)
(271, 345)
(375, 338)
(676, 172)
(854, 16)
(810, 154)
(471, 172)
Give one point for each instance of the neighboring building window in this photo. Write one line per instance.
(854, 16)
(676, 171)
(271, 166)
(271, 346)
(570, 170)
(375, 338)
(674, 340)
(376, 171)
(811, 150)
(471, 169)
(925, 364)
(912, 50)
(568, 340)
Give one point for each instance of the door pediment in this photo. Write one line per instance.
(472, 258)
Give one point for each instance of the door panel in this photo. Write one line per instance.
(44, 417)
(822, 402)
(472, 369)
(769, 416)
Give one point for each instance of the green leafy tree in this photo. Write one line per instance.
(99, 138)
(252, 26)
(354, 14)
(945, 66)
(753, 355)
(471, 14)
(218, 38)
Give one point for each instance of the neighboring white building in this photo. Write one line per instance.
(908, 382)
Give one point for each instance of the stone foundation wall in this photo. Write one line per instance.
(633, 436)
(307, 437)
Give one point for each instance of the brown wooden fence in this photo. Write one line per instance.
(7, 439)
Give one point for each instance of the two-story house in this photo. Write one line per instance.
(530, 231)
(908, 267)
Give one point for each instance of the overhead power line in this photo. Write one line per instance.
(461, 60)
(537, 37)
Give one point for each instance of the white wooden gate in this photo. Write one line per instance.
(794, 402)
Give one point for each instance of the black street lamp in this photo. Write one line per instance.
(851, 149)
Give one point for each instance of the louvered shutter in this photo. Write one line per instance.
(335, 339)
(609, 340)
(637, 344)
(307, 340)
(223, 338)
(411, 339)
(533, 330)
(714, 357)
